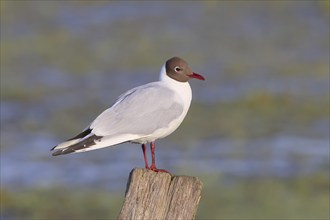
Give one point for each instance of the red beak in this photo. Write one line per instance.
(196, 76)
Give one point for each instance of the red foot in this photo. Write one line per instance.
(153, 165)
(153, 168)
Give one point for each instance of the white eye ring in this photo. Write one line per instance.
(177, 69)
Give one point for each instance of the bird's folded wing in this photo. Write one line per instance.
(141, 111)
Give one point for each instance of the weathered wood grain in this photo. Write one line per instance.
(151, 195)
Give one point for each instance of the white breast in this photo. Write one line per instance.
(183, 95)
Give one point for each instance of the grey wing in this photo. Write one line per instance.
(139, 111)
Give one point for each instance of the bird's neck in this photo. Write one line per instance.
(183, 89)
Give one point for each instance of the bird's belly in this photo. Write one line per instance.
(162, 132)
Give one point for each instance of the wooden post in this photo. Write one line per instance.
(151, 195)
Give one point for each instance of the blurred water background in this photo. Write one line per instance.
(257, 133)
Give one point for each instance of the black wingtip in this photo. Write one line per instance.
(88, 142)
(83, 134)
(56, 153)
(62, 152)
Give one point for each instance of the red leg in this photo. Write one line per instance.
(153, 165)
(145, 156)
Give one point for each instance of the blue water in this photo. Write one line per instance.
(285, 156)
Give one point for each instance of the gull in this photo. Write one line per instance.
(141, 115)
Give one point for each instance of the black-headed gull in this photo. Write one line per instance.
(141, 115)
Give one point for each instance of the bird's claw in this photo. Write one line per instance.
(153, 168)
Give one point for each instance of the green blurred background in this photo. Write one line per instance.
(257, 133)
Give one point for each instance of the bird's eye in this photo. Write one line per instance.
(177, 69)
